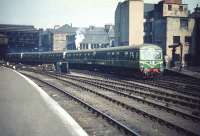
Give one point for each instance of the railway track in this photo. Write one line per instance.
(91, 123)
(182, 79)
(186, 85)
(173, 86)
(160, 95)
(176, 86)
(93, 110)
(157, 93)
(127, 105)
(104, 84)
(168, 87)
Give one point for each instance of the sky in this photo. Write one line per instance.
(47, 13)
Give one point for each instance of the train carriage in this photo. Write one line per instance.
(145, 60)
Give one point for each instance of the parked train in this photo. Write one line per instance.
(146, 59)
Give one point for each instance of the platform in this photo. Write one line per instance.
(193, 72)
(26, 110)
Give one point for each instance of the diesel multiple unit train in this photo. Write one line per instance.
(146, 59)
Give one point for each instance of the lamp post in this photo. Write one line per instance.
(174, 51)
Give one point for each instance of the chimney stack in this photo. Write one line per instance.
(136, 22)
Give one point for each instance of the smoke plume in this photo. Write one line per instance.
(79, 37)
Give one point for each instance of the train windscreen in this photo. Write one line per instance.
(150, 54)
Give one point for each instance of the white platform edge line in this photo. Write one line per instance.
(56, 108)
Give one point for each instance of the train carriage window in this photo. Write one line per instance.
(108, 55)
(101, 55)
(85, 55)
(126, 53)
(121, 55)
(131, 56)
(158, 55)
(91, 55)
(136, 54)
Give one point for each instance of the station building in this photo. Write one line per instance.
(167, 24)
(98, 37)
(46, 40)
(20, 38)
(196, 37)
(3, 44)
(171, 25)
(64, 38)
(129, 28)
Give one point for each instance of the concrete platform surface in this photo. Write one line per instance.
(187, 72)
(26, 110)
(191, 73)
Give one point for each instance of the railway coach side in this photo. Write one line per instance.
(146, 59)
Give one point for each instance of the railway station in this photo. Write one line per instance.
(138, 77)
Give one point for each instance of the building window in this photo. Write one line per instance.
(169, 7)
(86, 46)
(176, 39)
(184, 23)
(188, 40)
(80, 46)
(181, 8)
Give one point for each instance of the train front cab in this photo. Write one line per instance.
(151, 61)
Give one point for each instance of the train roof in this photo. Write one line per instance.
(142, 47)
(148, 46)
